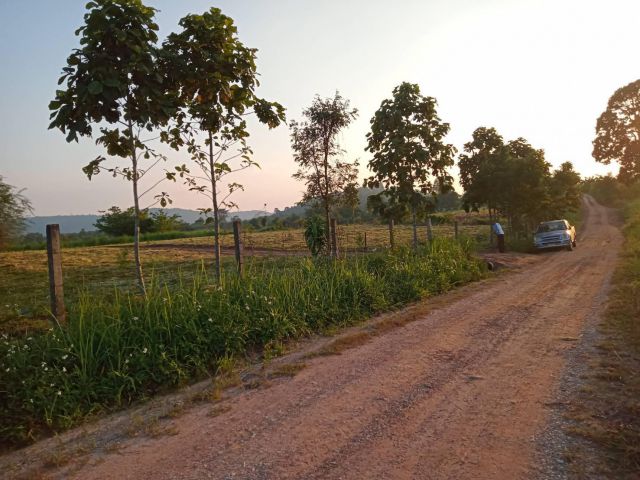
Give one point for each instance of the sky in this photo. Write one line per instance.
(538, 69)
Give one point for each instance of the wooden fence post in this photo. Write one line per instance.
(334, 237)
(429, 230)
(365, 241)
(392, 240)
(54, 258)
(455, 229)
(237, 239)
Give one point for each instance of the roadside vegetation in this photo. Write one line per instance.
(121, 347)
(607, 409)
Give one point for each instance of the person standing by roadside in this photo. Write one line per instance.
(497, 229)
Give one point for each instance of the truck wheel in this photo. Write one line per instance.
(570, 246)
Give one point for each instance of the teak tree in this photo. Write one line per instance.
(112, 83)
(216, 77)
(410, 158)
(317, 151)
(618, 133)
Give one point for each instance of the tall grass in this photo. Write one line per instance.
(120, 348)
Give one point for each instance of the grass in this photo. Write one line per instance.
(119, 348)
(607, 412)
(24, 289)
(94, 239)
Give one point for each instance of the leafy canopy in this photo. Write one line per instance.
(113, 78)
(410, 157)
(618, 132)
(214, 76)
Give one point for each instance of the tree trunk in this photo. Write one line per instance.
(415, 227)
(327, 218)
(216, 214)
(136, 210)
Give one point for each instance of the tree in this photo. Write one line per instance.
(161, 222)
(216, 77)
(387, 206)
(512, 179)
(524, 185)
(482, 168)
(448, 201)
(13, 208)
(410, 159)
(351, 199)
(112, 82)
(317, 151)
(618, 133)
(117, 222)
(564, 190)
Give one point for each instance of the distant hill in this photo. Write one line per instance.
(76, 223)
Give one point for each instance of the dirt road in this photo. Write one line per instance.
(457, 394)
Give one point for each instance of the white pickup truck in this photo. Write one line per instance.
(554, 234)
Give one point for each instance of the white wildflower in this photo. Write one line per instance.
(59, 393)
(64, 369)
(64, 357)
(135, 318)
(144, 350)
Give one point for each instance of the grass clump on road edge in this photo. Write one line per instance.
(120, 348)
(607, 412)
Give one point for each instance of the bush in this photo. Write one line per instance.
(121, 348)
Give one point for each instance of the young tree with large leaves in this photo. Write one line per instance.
(410, 157)
(315, 143)
(215, 76)
(618, 133)
(112, 83)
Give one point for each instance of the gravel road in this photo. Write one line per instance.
(460, 393)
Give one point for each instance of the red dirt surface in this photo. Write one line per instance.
(458, 393)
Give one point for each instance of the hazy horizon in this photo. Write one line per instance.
(542, 70)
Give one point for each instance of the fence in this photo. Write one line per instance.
(24, 285)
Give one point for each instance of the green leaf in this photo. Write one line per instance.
(95, 88)
(111, 82)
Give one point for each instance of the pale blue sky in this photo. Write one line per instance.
(540, 69)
